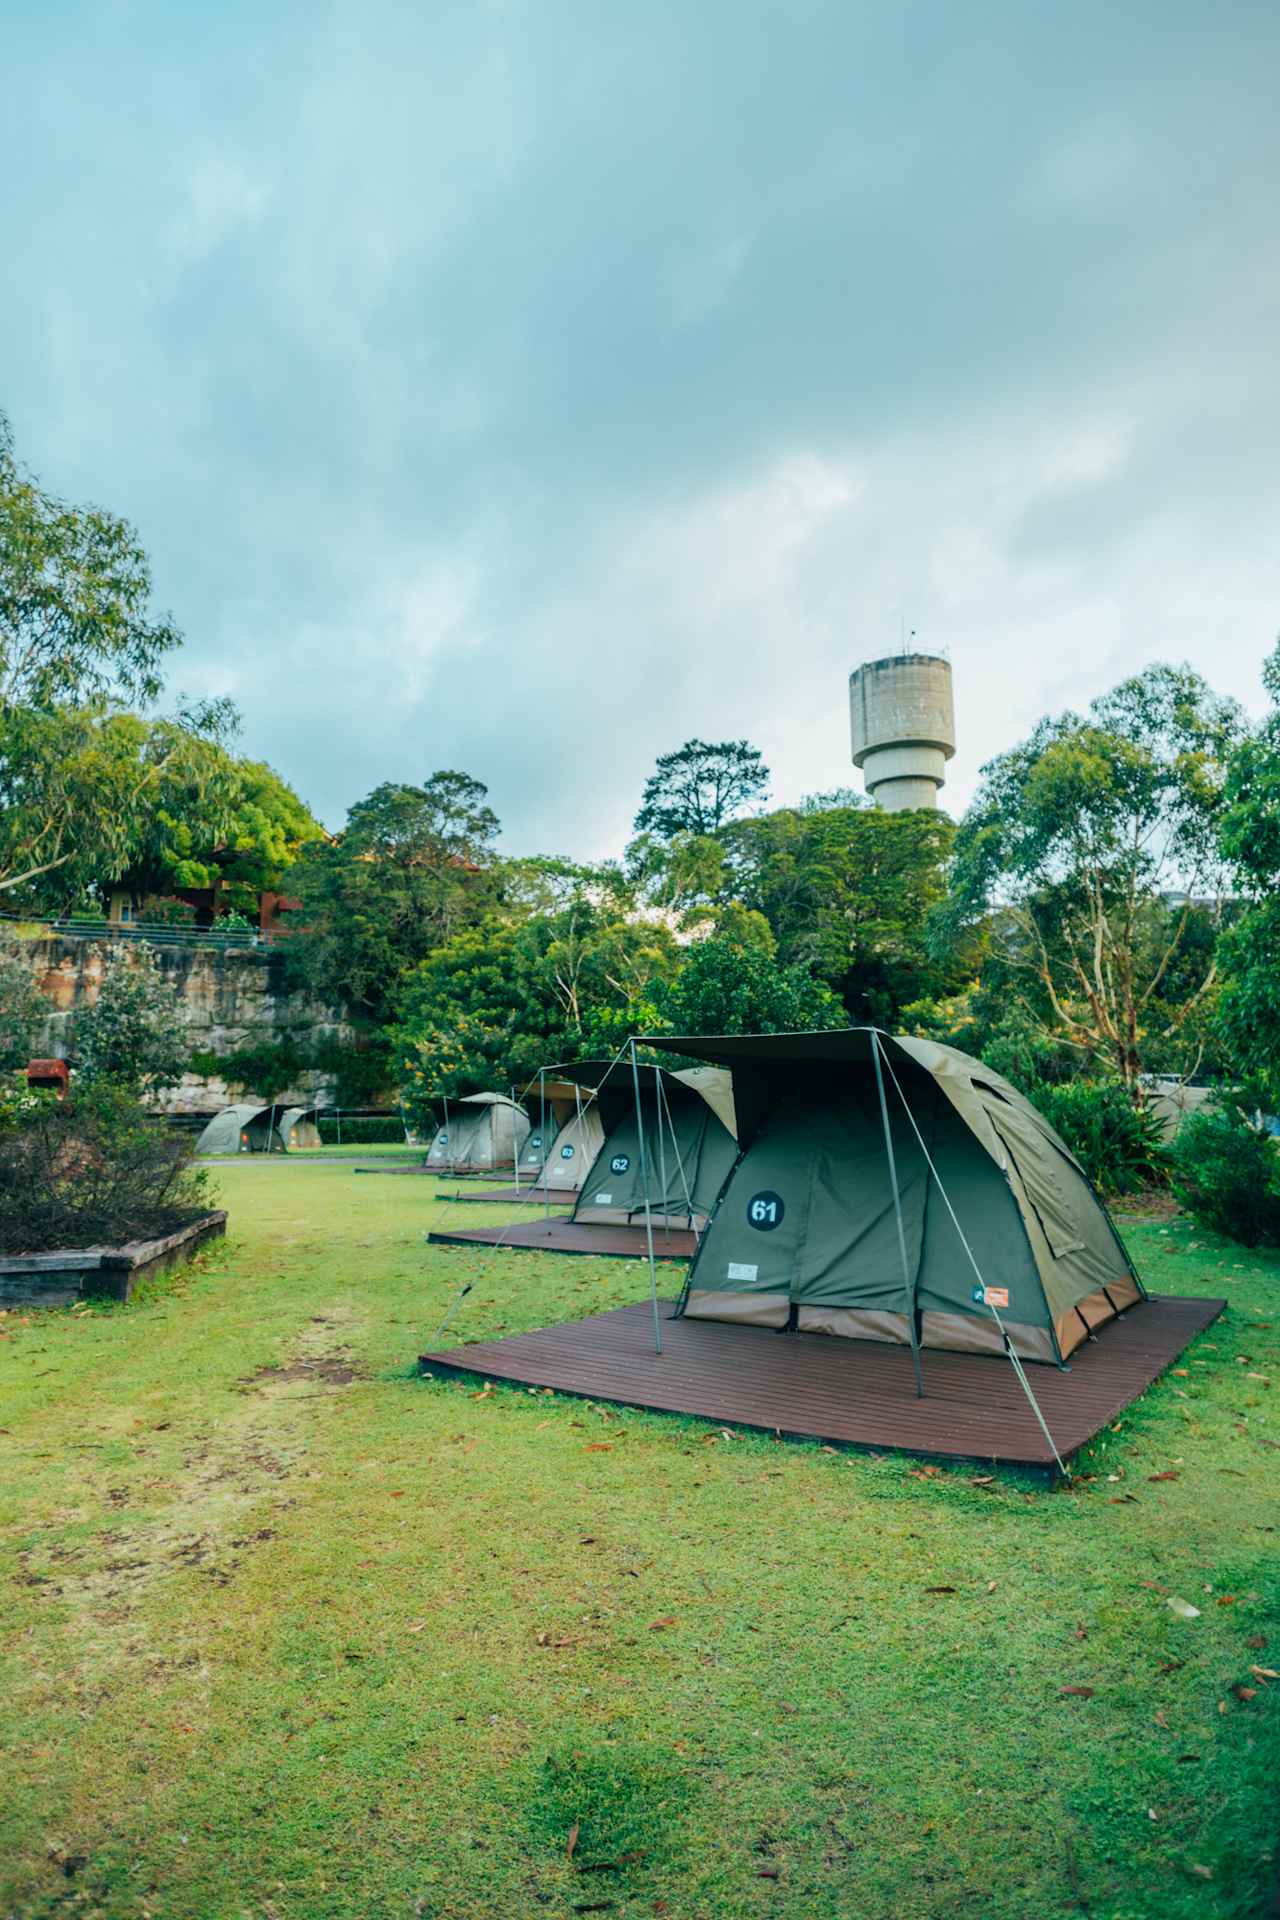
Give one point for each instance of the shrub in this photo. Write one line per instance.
(132, 1034)
(92, 1170)
(1120, 1146)
(362, 1130)
(23, 1011)
(1226, 1173)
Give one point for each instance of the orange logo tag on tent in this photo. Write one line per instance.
(995, 1296)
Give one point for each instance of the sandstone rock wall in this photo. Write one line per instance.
(228, 1001)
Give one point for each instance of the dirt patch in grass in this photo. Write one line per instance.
(329, 1370)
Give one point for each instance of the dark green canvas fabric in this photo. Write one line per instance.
(689, 1155)
(810, 1202)
(544, 1129)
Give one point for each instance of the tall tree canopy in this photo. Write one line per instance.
(83, 780)
(1250, 949)
(1094, 841)
(847, 891)
(700, 787)
(75, 591)
(414, 865)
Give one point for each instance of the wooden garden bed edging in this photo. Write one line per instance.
(66, 1274)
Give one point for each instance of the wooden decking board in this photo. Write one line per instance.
(510, 1197)
(854, 1392)
(559, 1235)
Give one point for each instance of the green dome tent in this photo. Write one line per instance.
(894, 1189)
(569, 1137)
(688, 1139)
(245, 1128)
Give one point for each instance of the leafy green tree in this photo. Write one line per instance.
(726, 987)
(501, 1000)
(75, 591)
(131, 1036)
(23, 1012)
(699, 788)
(847, 891)
(1249, 1007)
(414, 866)
(1095, 839)
(81, 778)
(232, 825)
(86, 788)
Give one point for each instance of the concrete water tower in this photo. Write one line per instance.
(902, 725)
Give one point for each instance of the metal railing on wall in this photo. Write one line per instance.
(155, 933)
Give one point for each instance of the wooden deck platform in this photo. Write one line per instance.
(853, 1392)
(559, 1235)
(510, 1197)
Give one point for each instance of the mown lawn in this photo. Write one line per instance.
(288, 1632)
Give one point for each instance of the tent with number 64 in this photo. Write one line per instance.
(894, 1189)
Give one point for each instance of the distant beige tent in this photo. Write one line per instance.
(248, 1127)
(298, 1128)
(484, 1132)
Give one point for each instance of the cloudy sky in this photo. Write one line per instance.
(528, 385)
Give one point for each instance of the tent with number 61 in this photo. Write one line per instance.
(894, 1189)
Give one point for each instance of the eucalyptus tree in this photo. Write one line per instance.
(1090, 856)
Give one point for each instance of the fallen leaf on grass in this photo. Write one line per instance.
(599, 1446)
(1244, 1693)
(1170, 1666)
(667, 1620)
(1264, 1673)
(1163, 1476)
(572, 1841)
(940, 1589)
(1161, 1718)
(1226, 1599)
(1256, 1640)
(1201, 1873)
(418, 1626)
(1081, 1631)
(1183, 1608)
(766, 1873)
(1082, 1693)
(991, 1586)
(1153, 1586)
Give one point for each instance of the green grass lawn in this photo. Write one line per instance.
(288, 1632)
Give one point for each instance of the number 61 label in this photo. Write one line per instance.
(765, 1211)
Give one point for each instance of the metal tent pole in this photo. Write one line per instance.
(981, 1291)
(448, 1131)
(515, 1143)
(648, 1216)
(662, 1150)
(908, 1285)
(542, 1123)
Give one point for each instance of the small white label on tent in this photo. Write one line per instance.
(738, 1270)
(604, 1199)
(995, 1296)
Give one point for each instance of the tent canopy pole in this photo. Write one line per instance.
(908, 1281)
(648, 1215)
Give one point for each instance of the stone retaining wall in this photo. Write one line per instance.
(228, 1000)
